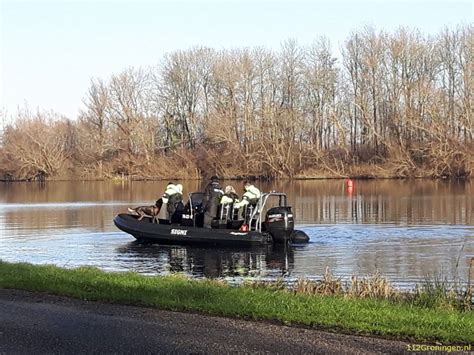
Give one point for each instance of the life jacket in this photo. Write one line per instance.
(229, 198)
(172, 190)
(251, 196)
(252, 193)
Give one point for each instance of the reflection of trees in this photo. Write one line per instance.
(87, 191)
(395, 201)
(69, 204)
(382, 201)
(213, 261)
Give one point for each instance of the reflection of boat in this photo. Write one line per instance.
(268, 260)
(277, 225)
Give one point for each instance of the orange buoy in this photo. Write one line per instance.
(349, 183)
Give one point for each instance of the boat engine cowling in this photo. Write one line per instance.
(279, 223)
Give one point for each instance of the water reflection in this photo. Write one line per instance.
(405, 229)
(319, 201)
(267, 261)
(392, 201)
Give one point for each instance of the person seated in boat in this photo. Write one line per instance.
(229, 198)
(170, 202)
(249, 199)
(212, 196)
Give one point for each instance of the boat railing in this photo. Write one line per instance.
(256, 214)
(224, 211)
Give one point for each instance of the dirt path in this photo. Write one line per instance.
(37, 323)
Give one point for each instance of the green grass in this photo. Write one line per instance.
(399, 319)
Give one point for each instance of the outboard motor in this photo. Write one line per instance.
(279, 223)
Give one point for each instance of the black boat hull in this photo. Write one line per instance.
(173, 234)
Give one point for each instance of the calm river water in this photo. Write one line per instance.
(407, 230)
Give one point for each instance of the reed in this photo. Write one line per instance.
(434, 292)
(372, 286)
(328, 286)
(438, 292)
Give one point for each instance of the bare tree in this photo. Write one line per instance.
(400, 101)
(40, 144)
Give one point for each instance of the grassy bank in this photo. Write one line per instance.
(400, 319)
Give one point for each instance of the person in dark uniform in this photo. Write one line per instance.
(212, 196)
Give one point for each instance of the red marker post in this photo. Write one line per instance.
(350, 186)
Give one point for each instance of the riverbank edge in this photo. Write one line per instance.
(372, 317)
(242, 178)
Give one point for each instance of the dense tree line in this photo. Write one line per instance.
(391, 104)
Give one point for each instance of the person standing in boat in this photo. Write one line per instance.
(159, 202)
(228, 200)
(170, 201)
(212, 196)
(175, 204)
(249, 199)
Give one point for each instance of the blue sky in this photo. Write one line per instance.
(51, 50)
